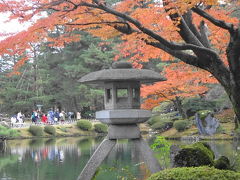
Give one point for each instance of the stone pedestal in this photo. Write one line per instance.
(124, 132)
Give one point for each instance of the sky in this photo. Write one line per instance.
(10, 27)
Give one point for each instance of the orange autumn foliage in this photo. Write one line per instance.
(66, 16)
(75, 14)
(182, 81)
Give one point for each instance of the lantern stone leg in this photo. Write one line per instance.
(96, 159)
(147, 154)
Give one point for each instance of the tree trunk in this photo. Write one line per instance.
(178, 104)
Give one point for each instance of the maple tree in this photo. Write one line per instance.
(200, 33)
(182, 81)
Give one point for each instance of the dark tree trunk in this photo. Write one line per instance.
(178, 104)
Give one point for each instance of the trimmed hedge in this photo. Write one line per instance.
(181, 125)
(50, 130)
(84, 125)
(163, 117)
(100, 128)
(222, 163)
(162, 125)
(195, 173)
(36, 130)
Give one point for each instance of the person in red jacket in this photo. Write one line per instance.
(44, 118)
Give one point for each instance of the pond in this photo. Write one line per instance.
(64, 158)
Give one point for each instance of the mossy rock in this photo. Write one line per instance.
(194, 155)
(222, 163)
(203, 114)
(195, 173)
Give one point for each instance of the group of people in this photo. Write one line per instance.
(52, 117)
(17, 118)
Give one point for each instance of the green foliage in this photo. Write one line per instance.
(63, 129)
(100, 128)
(181, 125)
(50, 130)
(84, 125)
(198, 154)
(164, 116)
(162, 147)
(163, 125)
(222, 163)
(192, 105)
(220, 130)
(195, 173)
(55, 73)
(7, 132)
(163, 107)
(203, 114)
(36, 130)
(237, 132)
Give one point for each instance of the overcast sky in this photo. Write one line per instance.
(10, 27)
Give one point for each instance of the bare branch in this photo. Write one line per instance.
(168, 44)
(219, 23)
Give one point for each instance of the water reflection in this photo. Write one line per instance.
(64, 158)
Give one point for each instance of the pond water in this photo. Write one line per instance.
(64, 158)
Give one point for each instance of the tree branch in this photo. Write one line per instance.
(168, 44)
(216, 22)
(185, 57)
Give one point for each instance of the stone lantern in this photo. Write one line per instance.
(122, 110)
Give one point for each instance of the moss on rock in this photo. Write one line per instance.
(195, 173)
(198, 154)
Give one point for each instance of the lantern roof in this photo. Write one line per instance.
(122, 71)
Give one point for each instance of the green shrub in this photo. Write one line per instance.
(181, 125)
(162, 125)
(100, 128)
(220, 130)
(7, 132)
(50, 130)
(36, 130)
(84, 125)
(167, 116)
(153, 120)
(196, 104)
(222, 163)
(163, 107)
(198, 154)
(63, 129)
(195, 173)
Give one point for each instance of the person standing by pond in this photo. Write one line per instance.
(19, 117)
(79, 115)
(44, 118)
(34, 116)
(50, 116)
(56, 116)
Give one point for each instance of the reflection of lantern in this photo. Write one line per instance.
(122, 101)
